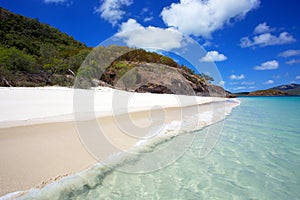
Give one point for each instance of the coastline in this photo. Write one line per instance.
(49, 145)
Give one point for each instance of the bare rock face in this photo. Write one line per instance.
(218, 91)
(162, 79)
(154, 88)
(156, 78)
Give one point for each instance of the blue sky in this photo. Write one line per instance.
(254, 43)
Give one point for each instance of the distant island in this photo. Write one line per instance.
(282, 90)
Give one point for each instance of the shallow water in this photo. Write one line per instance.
(257, 157)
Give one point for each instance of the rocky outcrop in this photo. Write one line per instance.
(218, 91)
(154, 88)
(24, 79)
(159, 78)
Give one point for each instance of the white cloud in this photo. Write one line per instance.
(239, 88)
(202, 18)
(130, 25)
(147, 19)
(207, 44)
(248, 83)
(293, 61)
(268, 82)
(55, 1)
(235, 77)
(111, 10)
(213, 56)
(290, 53)
(262, 28)
(135, 35)
(233, 83)
(269, 65)
(297, 77)
(267, 39)
(144, 10)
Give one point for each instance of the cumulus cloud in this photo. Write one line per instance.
(135, 35)
(267, 39)
(130, 25)
(290, 53)
(269, 65)
(268, 82)
(202, 18)
(297, 77)
(262, 28)
(213, 56)
(293, 61)
(111, 10)
(236, 77)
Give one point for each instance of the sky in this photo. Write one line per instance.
(254, 44)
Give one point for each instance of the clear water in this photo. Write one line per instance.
(257, 157)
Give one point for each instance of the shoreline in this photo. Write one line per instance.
(65, 130)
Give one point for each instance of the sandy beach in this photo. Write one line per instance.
(39, 140)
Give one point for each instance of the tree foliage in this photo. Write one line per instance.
(16, 60)
(28, 46)
(141, 55)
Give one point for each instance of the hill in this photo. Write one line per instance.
(291, 89)
(286, 87)
(36, 54)
(281, 90)
(241, 94)
(268, 93)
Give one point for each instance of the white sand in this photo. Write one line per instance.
(25, 106)
(38, 137)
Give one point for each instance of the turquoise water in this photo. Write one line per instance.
(257, 157)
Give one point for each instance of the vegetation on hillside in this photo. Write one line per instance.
(268, 92)
(30, 47)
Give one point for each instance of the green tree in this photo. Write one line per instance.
(16, 60)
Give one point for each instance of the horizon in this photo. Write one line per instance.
(253, 46)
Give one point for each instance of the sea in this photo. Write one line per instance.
(257, 156)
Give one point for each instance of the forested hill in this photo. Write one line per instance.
(33, 53)
(30, 35)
